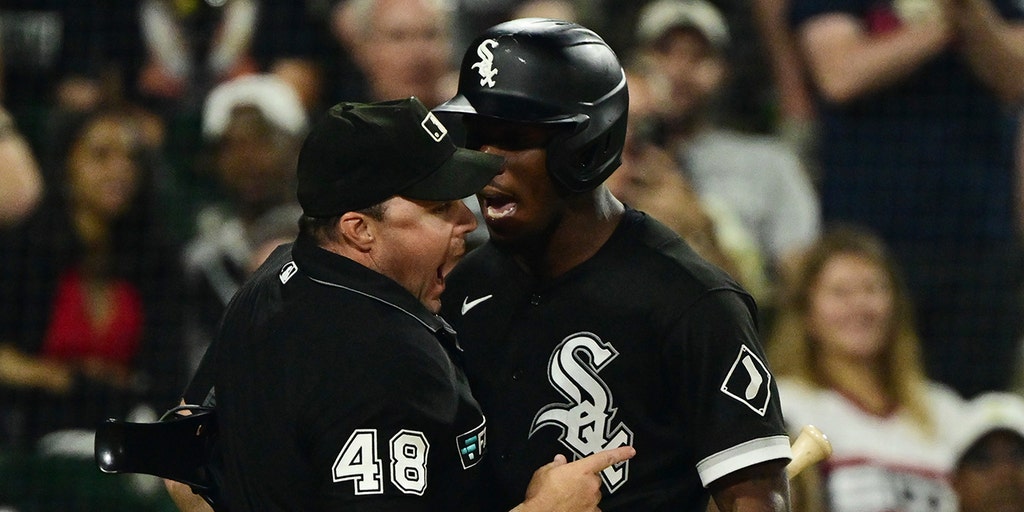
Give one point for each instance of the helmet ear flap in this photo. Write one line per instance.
(579, 164)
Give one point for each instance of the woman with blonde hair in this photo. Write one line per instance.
(846, 354)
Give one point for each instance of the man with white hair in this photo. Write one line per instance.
(401, 47)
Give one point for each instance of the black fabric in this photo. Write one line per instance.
(631, 345)
(319, 358)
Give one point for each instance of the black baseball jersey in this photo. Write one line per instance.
(336, 389)
(644, 344)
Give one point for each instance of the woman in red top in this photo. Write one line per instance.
(88, 292)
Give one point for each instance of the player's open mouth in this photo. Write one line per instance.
(497, 205)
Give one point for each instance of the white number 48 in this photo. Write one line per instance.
(358, 462)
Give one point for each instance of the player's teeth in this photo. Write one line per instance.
(503, 211)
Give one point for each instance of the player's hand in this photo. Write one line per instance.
(561, 486)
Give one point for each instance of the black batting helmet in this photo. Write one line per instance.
(552, 72)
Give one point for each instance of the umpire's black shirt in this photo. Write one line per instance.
(338, 390)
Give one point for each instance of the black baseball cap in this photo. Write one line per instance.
(360, 154)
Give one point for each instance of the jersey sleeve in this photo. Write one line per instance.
(734, 419)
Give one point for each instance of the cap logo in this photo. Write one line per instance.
(433, 127)
(486, 64)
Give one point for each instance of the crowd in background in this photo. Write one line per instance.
(855, 165)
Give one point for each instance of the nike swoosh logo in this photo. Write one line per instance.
(470, 304)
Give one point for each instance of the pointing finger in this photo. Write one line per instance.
(603, 459)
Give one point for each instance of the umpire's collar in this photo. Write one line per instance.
(329, 269)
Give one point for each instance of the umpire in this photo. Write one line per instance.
(335, 380)
(337, 385)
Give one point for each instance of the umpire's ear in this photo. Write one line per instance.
(357, 230)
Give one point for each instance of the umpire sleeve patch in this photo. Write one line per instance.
(748, 381)
(473, 445)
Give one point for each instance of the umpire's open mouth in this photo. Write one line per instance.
(458, 250)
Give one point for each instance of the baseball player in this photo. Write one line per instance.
(337, 385)
(589, 323)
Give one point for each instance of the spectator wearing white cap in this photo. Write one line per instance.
(988, 473)
(252, 126)
(759, 178)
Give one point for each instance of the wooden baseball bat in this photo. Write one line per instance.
(810, 447)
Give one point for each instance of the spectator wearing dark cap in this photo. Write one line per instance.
(988, 473)
(337, 385)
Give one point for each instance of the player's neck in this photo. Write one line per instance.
(584, 228)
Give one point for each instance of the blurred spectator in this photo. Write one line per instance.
(402, 47)
(1020, 175)
(758, 177)
(253, 127)
(845, 354)
(747, 101)
(553, 9)
(193, 46)
(21, 182)
(988, 472)
(917, 144)
(64, 56)
(90, 318)
(289, 42)
(66, 51)
(795, 120)
(190, 47)
(650, 180)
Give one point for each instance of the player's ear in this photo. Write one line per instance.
(357, 229)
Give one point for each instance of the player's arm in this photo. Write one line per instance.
(762, 487)
(569, 487)
(741, 445)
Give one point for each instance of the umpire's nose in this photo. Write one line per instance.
(465, 221)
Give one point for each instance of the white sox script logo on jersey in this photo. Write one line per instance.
(586, 421)
(486, 64)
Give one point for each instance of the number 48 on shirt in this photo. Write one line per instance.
(359, 462)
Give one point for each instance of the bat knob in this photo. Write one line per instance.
(810, 447)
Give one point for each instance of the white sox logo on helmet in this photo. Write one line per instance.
(486, 64)
(586, 421)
